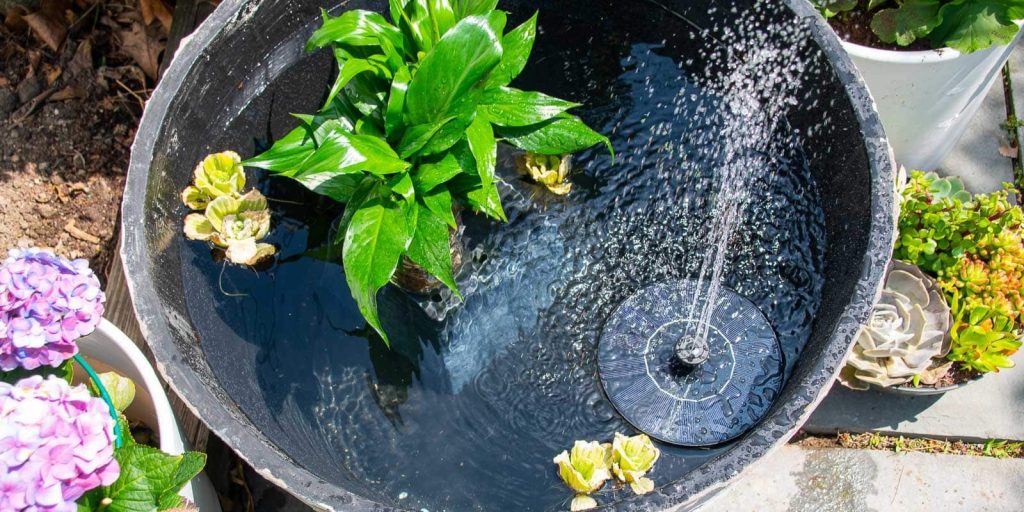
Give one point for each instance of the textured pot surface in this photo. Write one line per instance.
(247, 45)
(927, 99)
(108, 349)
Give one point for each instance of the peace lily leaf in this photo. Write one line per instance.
(429, 175)
(505, 106)
(562, 135)
(908, 22)
(461, 59)
(484, 148)
(401, 184)
(517, 46)
(121, 389)
(347, 71)
(439, 201)
(972, 25)
(375, 240)
(416, 137)
(487, 200)
(451, 133)
(360, 28)
(396, 101)
(464, 8)
(287, 153)
(343, 152)
(442, 17)
(430, 246)
(411, 17)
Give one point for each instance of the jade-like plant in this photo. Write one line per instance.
(964, 25)
(974, 245)
(906, 336)
(410, 128)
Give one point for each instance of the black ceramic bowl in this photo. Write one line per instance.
(247, 44)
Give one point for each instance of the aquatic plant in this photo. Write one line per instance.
(550, 171)
(975, 246)
(231, 220)
(410, 129)
(964, 25)
(632, 458)
(908, 330)
(56, 443)
(46, 303)
(585, 470)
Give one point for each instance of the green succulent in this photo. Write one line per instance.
(983, 339)
(236, 224)
(632, 458)
(585, 470)
(218, 175)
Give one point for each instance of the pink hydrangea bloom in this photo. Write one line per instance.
(46, 303)
(56, 443)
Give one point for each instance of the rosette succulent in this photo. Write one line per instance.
(551, 171)
(46, 303)
(632, 458)
(907, 331)
(235, 224)
(218, 175)
(585, 469)
(56, 443)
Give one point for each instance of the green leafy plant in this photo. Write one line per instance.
(964, 25)
(975, 246)
(150, 479)
(410, 129)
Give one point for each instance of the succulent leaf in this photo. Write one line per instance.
(586, 467)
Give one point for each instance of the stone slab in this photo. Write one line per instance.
(834, 479)
(976, 159)
(990, 408)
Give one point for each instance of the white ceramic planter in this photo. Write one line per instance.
(108, 349)
(926, 99)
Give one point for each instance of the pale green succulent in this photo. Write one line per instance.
(585, 469)
(235, 224)
(908, 332)
(632, 458)
(218, 175)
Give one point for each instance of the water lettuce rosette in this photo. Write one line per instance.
(585, 469)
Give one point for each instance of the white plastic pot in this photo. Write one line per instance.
(106, 349)
(926, 99)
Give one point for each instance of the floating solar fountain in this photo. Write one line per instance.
(702, 287)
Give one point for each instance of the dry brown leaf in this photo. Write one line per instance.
(143, 46)
(52, 74)
(49, 30)
(155, 9)
(82, 61)
(1008, 151)
(68, 93)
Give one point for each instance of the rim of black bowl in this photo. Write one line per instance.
(230, 423)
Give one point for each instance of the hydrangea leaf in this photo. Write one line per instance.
(911, 20)
(971, 25)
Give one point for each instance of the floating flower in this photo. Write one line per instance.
(585, 470)
(56, 443)
(234, 224)
(632, 458)
(547, 170)
(218, 175)
(46, 303)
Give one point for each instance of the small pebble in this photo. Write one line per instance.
(29, 88)
(8, 101)
(403, 495)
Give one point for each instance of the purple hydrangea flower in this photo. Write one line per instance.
(56, 443)
(46, 303)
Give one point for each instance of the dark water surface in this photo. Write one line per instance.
(466, 413)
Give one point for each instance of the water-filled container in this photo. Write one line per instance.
(748, 151)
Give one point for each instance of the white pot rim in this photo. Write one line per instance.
(900, 56)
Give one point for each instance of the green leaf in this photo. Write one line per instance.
(487, 200)
(430, 247)
(375, 240)
(287, 153)
(464, 8)
(149, 479)
(349, 69)
(449, 135)
(562, 135)
(412, 18)
(517, 46)
(872, 4)
(65, 371)
(972, 25)
(442, 17)
(505, 106)
(484, 147)
(401, 184)
(360, 28)
(908, 22)
(396, 101)
(461, 59)
(121, 389)
(429, 175)
(416, 137)
(439, 200)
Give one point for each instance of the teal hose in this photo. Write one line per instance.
(118, 437)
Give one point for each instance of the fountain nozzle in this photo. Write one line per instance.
(692, 351)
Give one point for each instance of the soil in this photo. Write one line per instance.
(855, 27)
(872, 441)
(68, 119)
(957, 376)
